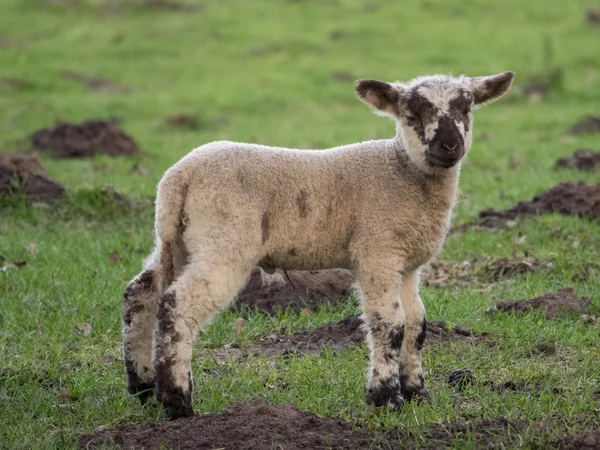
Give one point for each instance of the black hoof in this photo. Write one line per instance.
(415, 394)
(177, 404)
(386, 393)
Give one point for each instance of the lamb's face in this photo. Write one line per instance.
(435, 121)
(434, 113)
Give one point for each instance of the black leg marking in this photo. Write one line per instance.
(396, 337)
(386, 393)
(135, 385)
(176, 402)
(414, 392)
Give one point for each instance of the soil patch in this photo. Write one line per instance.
(84, 140)
(570, 199)
(592, 17)
(587, 124)
(259, 425)
(582, 160)
(343, 334)
(25, 175)
(589, 440)
(555, 304)
(308, 289)
(252, 425)
(304, 289)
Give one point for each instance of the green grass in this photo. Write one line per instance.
(261, 72)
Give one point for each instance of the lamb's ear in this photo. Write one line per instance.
(381, 96)
(488, 89)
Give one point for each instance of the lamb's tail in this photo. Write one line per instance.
(170, 199)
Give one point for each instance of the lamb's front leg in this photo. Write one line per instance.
(383, 315)
(411, 372)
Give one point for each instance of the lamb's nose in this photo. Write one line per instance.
(450, 146)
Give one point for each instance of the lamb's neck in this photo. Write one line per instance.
(441, 183)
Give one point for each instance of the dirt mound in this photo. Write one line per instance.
(260, 425)
(555, 304)
(480, 271)
(581, 160)
(587, 124)
(252, 425)
(343, 334)
(570, 199)
(84, 140)
(589, 440)
(25, 175)
(307, 289)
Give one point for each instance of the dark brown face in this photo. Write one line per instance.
(440, 118)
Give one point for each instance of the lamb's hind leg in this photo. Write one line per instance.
(139, 317)
(411, 373)
(384, 317)
(202, 290)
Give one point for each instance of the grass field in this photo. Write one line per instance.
(280, 73)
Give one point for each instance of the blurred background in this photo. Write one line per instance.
(179, 73)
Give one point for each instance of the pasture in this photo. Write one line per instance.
(175, 74)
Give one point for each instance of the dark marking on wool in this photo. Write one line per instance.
(396, 305)
(131, 310)
(459, 110)
(265, 226)
(421, 112)
(396, 337)
(166, 314)
(146, 279)
(391, 355)
(166, 261)
(135, 385)
(302, 202)
(386, 392)
(412, 391)
(175, 401)
(292, 252)
(421, 336)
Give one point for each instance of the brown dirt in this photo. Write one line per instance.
(582, 160)
(592, 17)
(555, 304)
(570, 199)
(25, 175)
(343, 334)
(259, 425)
(307, 289)
(587, 124)
(252, 425)
(68, 140)
(589, 440)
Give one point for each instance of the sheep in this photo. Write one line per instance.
(380, 208)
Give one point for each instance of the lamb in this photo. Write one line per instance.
(381, 208)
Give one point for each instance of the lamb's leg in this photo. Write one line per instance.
(383, 314)
(411, 373)
(139, 317)
(201, 291)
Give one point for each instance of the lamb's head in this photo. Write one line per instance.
(433, 113)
